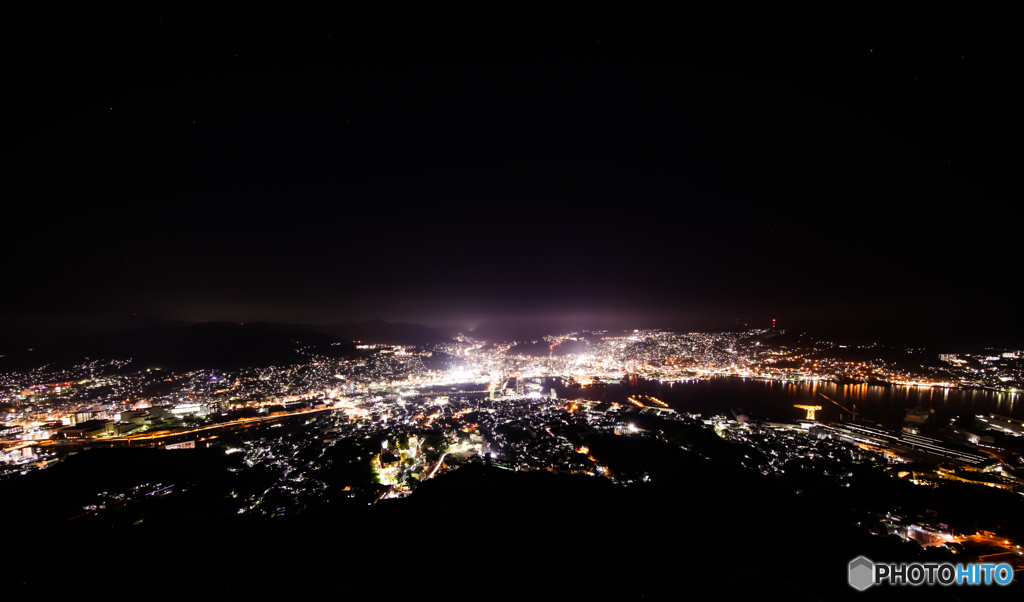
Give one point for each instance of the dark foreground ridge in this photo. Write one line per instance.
(477, 531)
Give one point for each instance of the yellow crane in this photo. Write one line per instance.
(810, 410)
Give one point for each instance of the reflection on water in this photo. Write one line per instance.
(768, 398)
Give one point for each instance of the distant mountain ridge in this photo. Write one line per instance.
(226, 345)
(379, 331)
(214, 345)
(217, 345)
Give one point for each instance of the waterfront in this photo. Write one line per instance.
(775, 399)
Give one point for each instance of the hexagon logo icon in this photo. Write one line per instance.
(861, 573)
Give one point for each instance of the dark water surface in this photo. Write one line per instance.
(775, 399)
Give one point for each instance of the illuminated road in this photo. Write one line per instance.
(436, 466)
(158, 438)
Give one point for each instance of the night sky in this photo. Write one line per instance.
(850, 172)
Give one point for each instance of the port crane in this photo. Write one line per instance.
(810, 410)
(853, 412)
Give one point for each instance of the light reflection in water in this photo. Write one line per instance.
(775, 398)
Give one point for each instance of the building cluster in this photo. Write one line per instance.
(378, 423)
(375, 426)
(599, 356)
(107, 398)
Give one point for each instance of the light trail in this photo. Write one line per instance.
(159, 490)
(436, 466)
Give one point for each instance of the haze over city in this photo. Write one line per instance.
(630, 174)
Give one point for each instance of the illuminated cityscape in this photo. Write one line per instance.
(430, 409)
(379, 423)
(314, 304)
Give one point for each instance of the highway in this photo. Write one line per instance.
(155, 439)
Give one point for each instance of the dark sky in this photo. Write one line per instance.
(315, 168)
